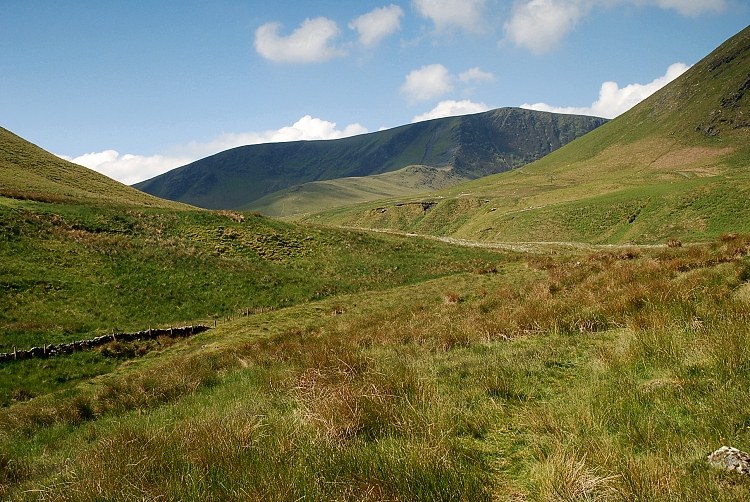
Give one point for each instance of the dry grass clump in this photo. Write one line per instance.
(451, 298)
(566, 476)
(387, 400)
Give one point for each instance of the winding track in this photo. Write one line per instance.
(537, 247)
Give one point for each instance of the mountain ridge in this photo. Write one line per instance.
(474, 145)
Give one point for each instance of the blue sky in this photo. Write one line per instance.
(135, 88)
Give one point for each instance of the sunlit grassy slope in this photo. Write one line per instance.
(317, 196)
(676, 166)
(29, 172)
(602, 376)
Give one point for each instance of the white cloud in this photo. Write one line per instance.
(614, 100)
(466, 14)
(311, 42)
(539, 25)
(451, 108)
(428, 82)
(475, 75)
(130, 169)
(311, 128)
(435, 80)
(693, 8)
(377, 24)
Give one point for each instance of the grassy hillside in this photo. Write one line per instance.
(28, 172)
(74, 271)
(317, 196)
(474, 145)
(601, 376)
(675, 166)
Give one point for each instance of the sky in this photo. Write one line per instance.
(133, 89)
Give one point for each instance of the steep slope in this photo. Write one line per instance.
(474, 146)
(674, 167)
(29, 172)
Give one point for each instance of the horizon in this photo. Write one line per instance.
(123, 91)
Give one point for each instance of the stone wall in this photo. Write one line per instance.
(67, 348)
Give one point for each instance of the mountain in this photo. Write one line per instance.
(472, 145)
(676, 166)
(29, 172)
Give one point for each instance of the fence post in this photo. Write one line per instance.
(15, 352)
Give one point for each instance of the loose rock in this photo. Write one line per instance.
(730, 459)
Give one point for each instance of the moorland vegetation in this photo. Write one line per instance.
(355, 365)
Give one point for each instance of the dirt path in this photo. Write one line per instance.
(521, 247)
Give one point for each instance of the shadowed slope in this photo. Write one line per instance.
(473, 145)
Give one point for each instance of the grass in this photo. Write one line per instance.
(29, 173)
(613, 197)
(125, 268)
(313, 197)
(607, 376)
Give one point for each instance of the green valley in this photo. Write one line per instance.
(573, 329)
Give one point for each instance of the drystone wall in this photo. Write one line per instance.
(67, 348)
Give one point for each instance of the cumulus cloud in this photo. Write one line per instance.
(435, 80)
(310, 128)
(428, 82)
(539, 25)
(377, 24)
(614, 100)
(451, 108)
(130, 169)
(475, 75)
(466, 14)
(312, 42)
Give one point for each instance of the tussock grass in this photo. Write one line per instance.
(606, 376)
